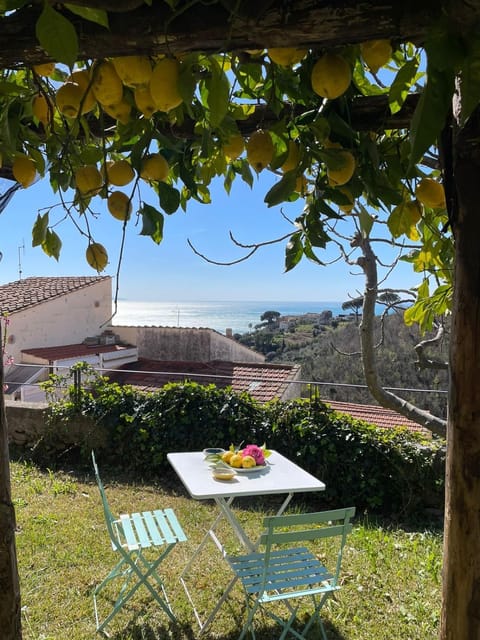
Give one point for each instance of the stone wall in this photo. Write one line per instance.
(28, 427)
(177, 344)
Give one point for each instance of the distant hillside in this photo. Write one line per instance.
(319, 348)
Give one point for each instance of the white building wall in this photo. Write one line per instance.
(68, 319)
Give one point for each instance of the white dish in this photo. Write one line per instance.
(258, 467)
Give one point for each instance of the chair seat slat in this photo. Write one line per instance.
(137, 520)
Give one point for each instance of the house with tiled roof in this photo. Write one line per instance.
(262, 381)
(50, 311)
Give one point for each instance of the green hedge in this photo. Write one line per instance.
(389, 471)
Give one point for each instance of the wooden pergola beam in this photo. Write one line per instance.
(213, 27)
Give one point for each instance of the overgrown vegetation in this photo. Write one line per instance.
(390, 579)
(382, 470)
(331, 353)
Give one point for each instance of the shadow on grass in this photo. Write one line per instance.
(146, 631)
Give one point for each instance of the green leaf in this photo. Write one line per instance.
(401, 85)
(217, 95)
(470, 81)
(431, 112)
(246, 173)
(293, 251)
(281, 190)
(169, 197)
(152, 223)
(366, 221)
(57, 35)
(39, 230)
(403, 220)
(52, 244)
(99, 16)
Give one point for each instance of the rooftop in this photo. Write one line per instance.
(22, 294)
(262, 381)
(374, 414)
(64, 352)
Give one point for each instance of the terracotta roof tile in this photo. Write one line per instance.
(22, 294)
(262, 381)
(374, 414)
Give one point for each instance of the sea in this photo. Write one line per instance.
(239, 316)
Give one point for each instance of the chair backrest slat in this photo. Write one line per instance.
(279, 530)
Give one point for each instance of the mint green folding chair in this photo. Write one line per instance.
(280, 572)
(131, 534)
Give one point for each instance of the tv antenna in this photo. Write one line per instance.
(22, 247)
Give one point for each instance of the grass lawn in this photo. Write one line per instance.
(391, 575)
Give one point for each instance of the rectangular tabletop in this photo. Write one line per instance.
(281, 475)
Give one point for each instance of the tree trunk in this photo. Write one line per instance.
(460, 618)
(10, 612)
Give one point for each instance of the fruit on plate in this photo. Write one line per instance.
(247, 458)
(248, 462)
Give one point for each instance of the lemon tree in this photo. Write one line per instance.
(384, 115)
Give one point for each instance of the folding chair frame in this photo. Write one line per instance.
(285, 573)
(130, 535)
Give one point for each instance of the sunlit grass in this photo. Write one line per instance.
(391, 575)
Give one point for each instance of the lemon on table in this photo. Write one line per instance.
(227, 456)
(248, 462)
(236, 460)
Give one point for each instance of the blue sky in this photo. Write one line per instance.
(171, 271)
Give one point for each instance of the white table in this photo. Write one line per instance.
(281, 476)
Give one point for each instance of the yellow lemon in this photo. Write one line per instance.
(88, 180)
(119, 173)
(97, 256)
(234, 147)
(164, 85)
(144, 101)
(260, 150)
(227, 455)
(347, 208)
(341, 175)
(154, 168)
(293, 157)
(68, 98)
(119, 205)
(286, 57)
(82, 78)
(42, 109)
(431, 193)
(120, 111)
(376, 53)
(133, 71)
(248, 462)
(45, 69)
(236, 460)
(24, 170)
(106, 85)
(331, 76)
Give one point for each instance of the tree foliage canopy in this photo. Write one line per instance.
(339, 154)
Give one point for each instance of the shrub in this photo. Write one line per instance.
(391, 471)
